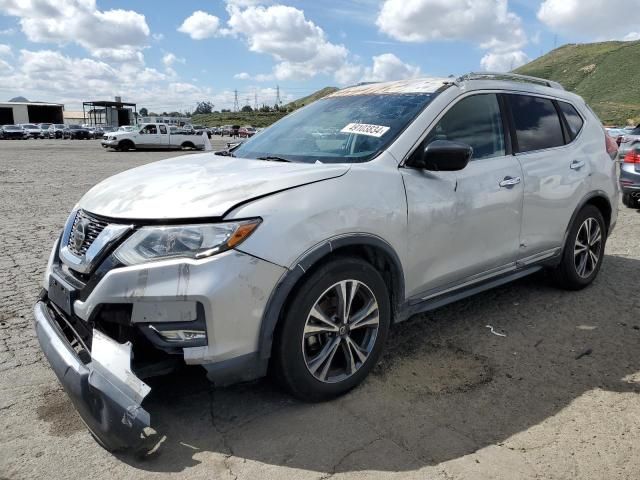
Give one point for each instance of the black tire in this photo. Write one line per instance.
(187, 146)
(566, 274)
(630, 202)
(125, 145)
(289, 365)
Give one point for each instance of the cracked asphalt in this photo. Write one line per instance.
(555, 398)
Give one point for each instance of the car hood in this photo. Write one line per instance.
(198, 186)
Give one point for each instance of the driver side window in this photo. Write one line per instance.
(149, 129)
(476, 121)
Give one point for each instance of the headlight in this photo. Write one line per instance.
(191, 241)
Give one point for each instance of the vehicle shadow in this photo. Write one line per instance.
(445, 387)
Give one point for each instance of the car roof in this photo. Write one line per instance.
(471, 81)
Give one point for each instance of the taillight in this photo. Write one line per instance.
(611, 145)
(632, 157)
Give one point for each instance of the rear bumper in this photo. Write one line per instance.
(108, 406)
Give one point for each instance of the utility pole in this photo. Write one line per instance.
(255, 100)
(235, 101)
(278, 101)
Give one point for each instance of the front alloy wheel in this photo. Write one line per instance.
(340, 331)
(333, 330)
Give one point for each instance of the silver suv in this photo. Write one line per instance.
(299, 248)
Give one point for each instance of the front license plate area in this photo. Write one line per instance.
(61, 293)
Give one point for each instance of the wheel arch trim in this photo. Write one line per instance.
(305, 262)
(584, 201)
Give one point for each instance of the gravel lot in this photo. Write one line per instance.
(556, 398)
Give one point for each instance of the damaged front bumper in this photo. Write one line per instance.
(105, 392)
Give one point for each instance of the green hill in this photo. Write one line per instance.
(301, 102)
(606, 75)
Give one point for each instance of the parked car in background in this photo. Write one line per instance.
(201, 129)
(616, 134)
(629, 141)
(630, 177)
(108, 129)
(126, 128)
(56, 130)
(13, 132)
(33, 130)
(434, 190)
(246, 132)
(153, 136)
(45, 129)
(76, 132)
(95, 131)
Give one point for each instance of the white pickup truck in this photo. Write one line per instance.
(153, 135)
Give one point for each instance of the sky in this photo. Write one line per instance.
(168, 55)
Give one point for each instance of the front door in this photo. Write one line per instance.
(464, 226)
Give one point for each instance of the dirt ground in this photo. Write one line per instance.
(555, 398)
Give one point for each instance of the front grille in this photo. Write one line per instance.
(92, 228)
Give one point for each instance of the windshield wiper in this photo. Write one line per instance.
(271, 158)
(225, 153)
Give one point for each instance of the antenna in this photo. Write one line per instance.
(235, 101)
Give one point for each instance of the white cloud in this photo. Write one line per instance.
(78, 21)
(632, 36)
(5, 68)
(592, 19)
(387, 67)
(119, 55)
(5, 50)
(503, 62)
(488, 22)
(200, 25)
(169, 59)
(7, 31)
(298, 45)
(242, 76)
(50, 75)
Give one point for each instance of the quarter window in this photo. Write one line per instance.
(536, 121)
(476, 121)
(163, 129)
(574, 120)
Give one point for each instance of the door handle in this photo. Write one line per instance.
(576, 164)
(509, 182)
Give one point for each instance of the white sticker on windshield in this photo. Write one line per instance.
(365, 129)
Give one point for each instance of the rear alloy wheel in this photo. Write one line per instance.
(584, 250)
(588, 247)
(334, 330)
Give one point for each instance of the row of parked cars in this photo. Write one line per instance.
(53, 130)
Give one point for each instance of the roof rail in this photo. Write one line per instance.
(510, 76)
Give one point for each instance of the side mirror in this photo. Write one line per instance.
(443, 156)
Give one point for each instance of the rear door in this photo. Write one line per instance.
(556, 173)
(464, 226)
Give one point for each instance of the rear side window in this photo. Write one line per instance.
(537, 123)
(476, 121)
(574, 120)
